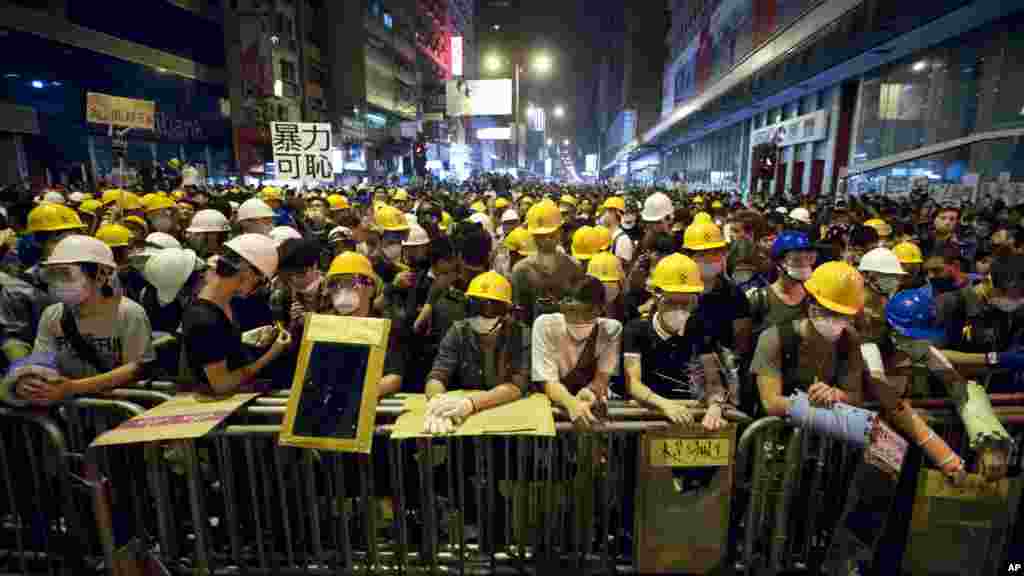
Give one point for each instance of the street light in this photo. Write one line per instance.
(549, 141)
(493, 63)
(565, 142)
(542, 63)
(559, 111)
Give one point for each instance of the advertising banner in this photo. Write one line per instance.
(118, 111)
(479, 97)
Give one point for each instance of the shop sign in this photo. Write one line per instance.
(118, 111)
(802, 129)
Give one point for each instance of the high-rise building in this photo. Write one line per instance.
(167, 55)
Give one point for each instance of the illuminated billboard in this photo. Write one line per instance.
(479, 98)
(499, 133)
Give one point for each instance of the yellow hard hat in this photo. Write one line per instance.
(89, 206)
(543, 218)
(677, 274)
(716, 204)
(698, 199)
(702, 217)
(446, 220)
(137, 220)
(585, 243)
(616, 202)
(178, 194)
(526, 201)
(881, 226)
(908, 253)
(49, 217)
(520, 241)
(703, 236)
(501, 203)
(391, 219)
(567, 199)
(606, 237)
(337, 202)
(126, 200)
(837, 286)
(478, 206)
(490, 286)
(271, 193)
(154, 202)
(351, 263)
(399, 195)
(606, 267)
(115, 235)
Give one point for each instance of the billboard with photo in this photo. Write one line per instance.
(479, 97)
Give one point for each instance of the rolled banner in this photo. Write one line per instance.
(850, 424)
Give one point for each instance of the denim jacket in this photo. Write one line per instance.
(460, 359)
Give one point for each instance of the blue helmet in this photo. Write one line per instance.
(912, 314)
(788, 241)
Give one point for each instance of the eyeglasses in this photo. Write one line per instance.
(800, 258)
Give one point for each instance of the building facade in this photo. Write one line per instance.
(171, 55)
(877, 96)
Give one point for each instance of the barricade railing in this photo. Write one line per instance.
(235, 501)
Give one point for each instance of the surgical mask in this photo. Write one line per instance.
(611, 292)
(392, 251)
(345, 301)
(798, 273)
(829, 328)
(887, 286)
(628, 222)
(1006, 304)
(70, 292)
(580, 331)
(484, 325)
(162, 223)
(675, 320)
(709, 270)
(742, 276)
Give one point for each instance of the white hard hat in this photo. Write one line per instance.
(282, 233)
(800, 215)
(234, 205)
(258, 250)
(167, 271)
(77, 197)
(339, 233)
(253, 209)
(881, 260)
(53, 197)
(209, 220)
(417, 236)
(781, 210)
(411, 220)
(76, 249)
(510, 215)
(162, 240)
(657, 207)
(483, 220)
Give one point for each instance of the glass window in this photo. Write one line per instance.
(388, 21)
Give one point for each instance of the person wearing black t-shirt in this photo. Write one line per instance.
(668, 356)
(213, 340)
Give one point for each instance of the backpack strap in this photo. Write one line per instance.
(83, 349)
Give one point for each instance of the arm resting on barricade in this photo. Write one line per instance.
(676, 413)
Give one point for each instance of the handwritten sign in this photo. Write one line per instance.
(689, 452)
(302, 150)
(183, 417)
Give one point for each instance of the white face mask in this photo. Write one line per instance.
(829, 328)
(675, 320)
(580, 331)
(628, 222)
(71, 293)
(392, 251)
(363, 248)
(1006, 304)
(483, 325)
(888, 286)
(346, 301)
(798, 273)
(611, 292)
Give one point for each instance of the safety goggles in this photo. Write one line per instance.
(348, 282)
(821, 313)
(62, 273)
(800, 258)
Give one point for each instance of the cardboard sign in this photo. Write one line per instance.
(530, 416)
(333, 400)
(302, 150)
(690, 452)
(183, 417)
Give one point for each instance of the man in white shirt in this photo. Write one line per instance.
(622, 245)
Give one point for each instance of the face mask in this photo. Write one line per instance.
(363, 248)
(580, 331)
(71, 293)
(345, 301)
(308, 283)
(709, 270)
(942, 285)
(829, 328)
(483, 325)
(887, 286)
(675, 320)
(611, 292)
(1006, 304)
(162, 223)
(628, 222)
(742, 276)
(798, 273)
(392, 251)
